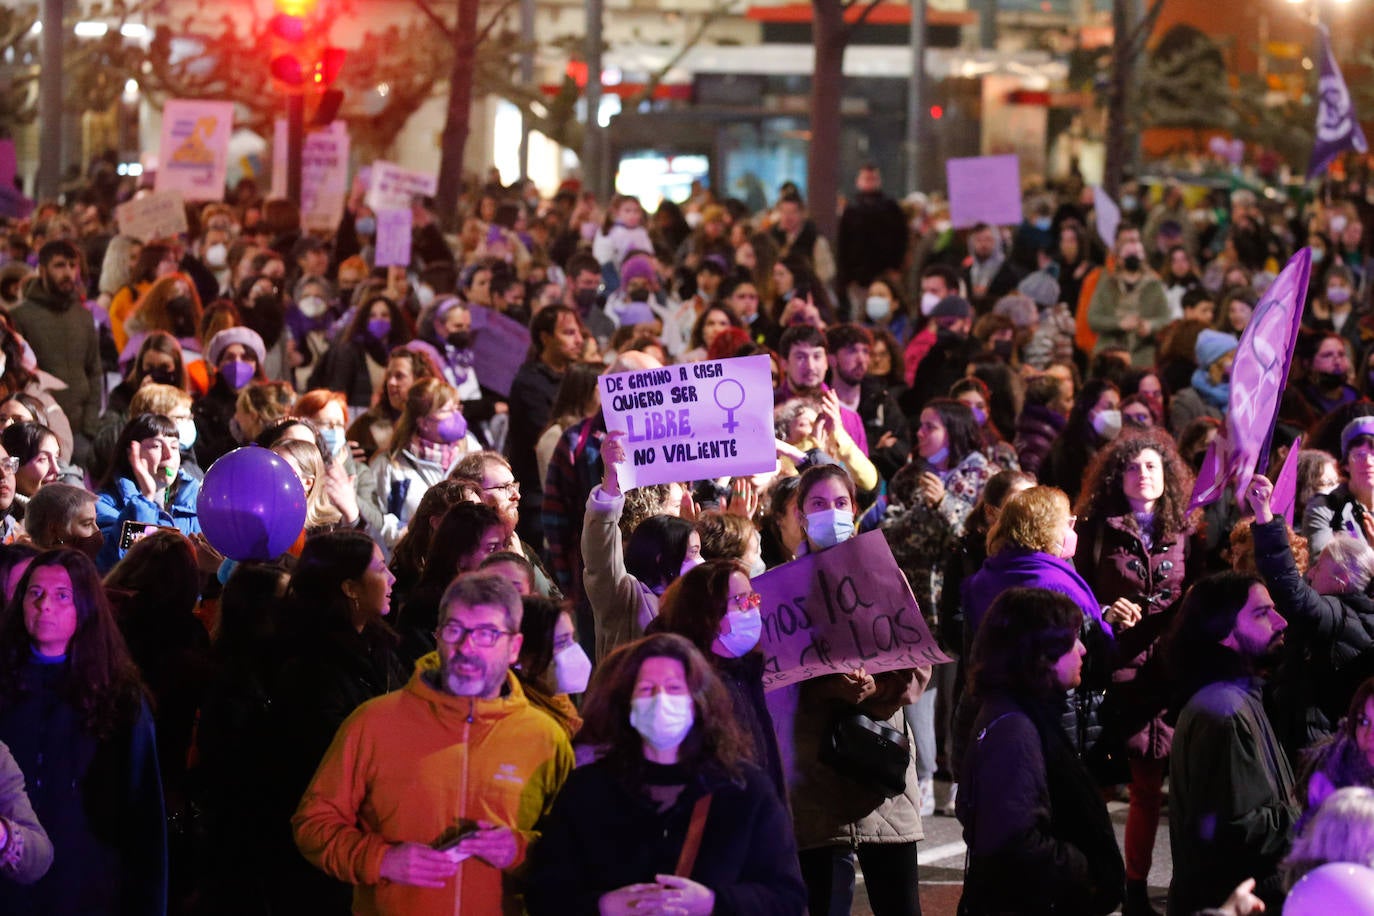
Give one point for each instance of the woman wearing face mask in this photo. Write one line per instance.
(262, 302)
(1334, 309)
(715, 607)
(884, 309)
(171, 305)
(1137, 555)
(674, 817)
(837, 819)
(310, 316)
(1041, 841)
(236, 354)
(431, 437)
(145, 485)
(1075, 260)
(159, 362)
(1094, 421)
(552, 666)
(328, 411)
(973, 393)
(623, 584)
(356, 363)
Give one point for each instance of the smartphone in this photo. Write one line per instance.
(455, 835)
(131, 532)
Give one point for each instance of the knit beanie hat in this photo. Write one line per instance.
(1041, 287)
(1212, 346)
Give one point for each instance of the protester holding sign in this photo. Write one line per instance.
(837, 818)
(624, 585)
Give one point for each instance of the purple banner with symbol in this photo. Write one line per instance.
(1285, 495)
(1258, 377)
(1338, 128)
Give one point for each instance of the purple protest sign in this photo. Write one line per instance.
(984, 189)
(840, 609)
(499, 347)
(393, 238)
(1338, 128)
(1285, 495)
(1258, 377)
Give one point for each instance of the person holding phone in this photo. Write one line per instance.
(145, 484)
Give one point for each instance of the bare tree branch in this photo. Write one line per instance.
(1135, 42)
(496, 17)
(656, 79)
(867, 11)
(439, 22)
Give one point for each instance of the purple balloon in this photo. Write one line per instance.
(1337, 887)
(251, 505)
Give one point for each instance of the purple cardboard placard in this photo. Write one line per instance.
(984, 189)
(499, 346)
(393, 238)
(840, 609)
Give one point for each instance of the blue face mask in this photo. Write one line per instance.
(333, 438)
(831, 527)
(366, 225)
(1043, 224)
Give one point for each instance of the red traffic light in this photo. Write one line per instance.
(327, 70)
(288, 28)
(287, 69)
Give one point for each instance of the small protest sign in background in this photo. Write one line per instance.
(193, 157)
(157, 215)
(391, 187)
(694, 421)
(840, 609)
(393, 238)
(499, 345)
(984, 189)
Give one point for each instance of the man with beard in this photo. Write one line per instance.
(63, 337)
(1232, 804)
(804, 368)
(429, 795)
(884, 423)
(501, 491)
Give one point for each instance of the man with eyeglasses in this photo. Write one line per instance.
(501, 491)
(428, 796)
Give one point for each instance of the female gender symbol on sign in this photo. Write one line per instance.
(733, 399)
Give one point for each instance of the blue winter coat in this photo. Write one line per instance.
(121, 502)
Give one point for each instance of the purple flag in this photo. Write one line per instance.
(1258, 377)
(1285, 494)
(1338, 129)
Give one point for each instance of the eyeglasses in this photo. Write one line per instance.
(454, 633)
(746, 602)
(510, 487)
(1073, 520)
(9, 466)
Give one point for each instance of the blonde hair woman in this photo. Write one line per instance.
(305, 460)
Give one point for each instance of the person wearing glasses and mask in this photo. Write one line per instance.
(428, 796)
(716, 608)
(501, 491)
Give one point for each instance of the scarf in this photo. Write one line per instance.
(1218, 396)
(444, 454)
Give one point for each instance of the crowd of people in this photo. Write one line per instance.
(487, 677)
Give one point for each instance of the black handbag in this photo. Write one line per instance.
(867, 751)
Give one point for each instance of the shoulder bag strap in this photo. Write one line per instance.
(692, 844)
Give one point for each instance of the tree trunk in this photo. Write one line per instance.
(455, 135)
(1118, 92)
(829, 36)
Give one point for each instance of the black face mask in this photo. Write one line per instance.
(460, 340)
(161, 376)
(1001, 349)
(1131, 262)
(585, 299)
(639, 295)
(1329, 380)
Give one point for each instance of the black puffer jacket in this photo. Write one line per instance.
(1328, 647)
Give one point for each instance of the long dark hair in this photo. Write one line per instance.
(315, 597)
(459, 533)
(714, 745)
(1103, 495)
(536, 626)
(657, 548)
(695, 604)
(1193, 654)
(963, 436)
(1025, 632)
(102, 683)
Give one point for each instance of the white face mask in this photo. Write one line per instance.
(312, 306)
(928, 302)
(662, 720)
(877, 308)
(757, 567)
(746, 627)
(424, 294)
(186, 433)
(216, 256)
(1107, 424)
(571, 669)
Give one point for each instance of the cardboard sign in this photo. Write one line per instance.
(499, 345)
(393, 188)
(194, 154)
(159, 215)
(693, 421)
(1108, 216)
(393, 238)
(984, 189)
(840, 609)
(324, 174)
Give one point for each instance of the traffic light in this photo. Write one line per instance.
(301, 57)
